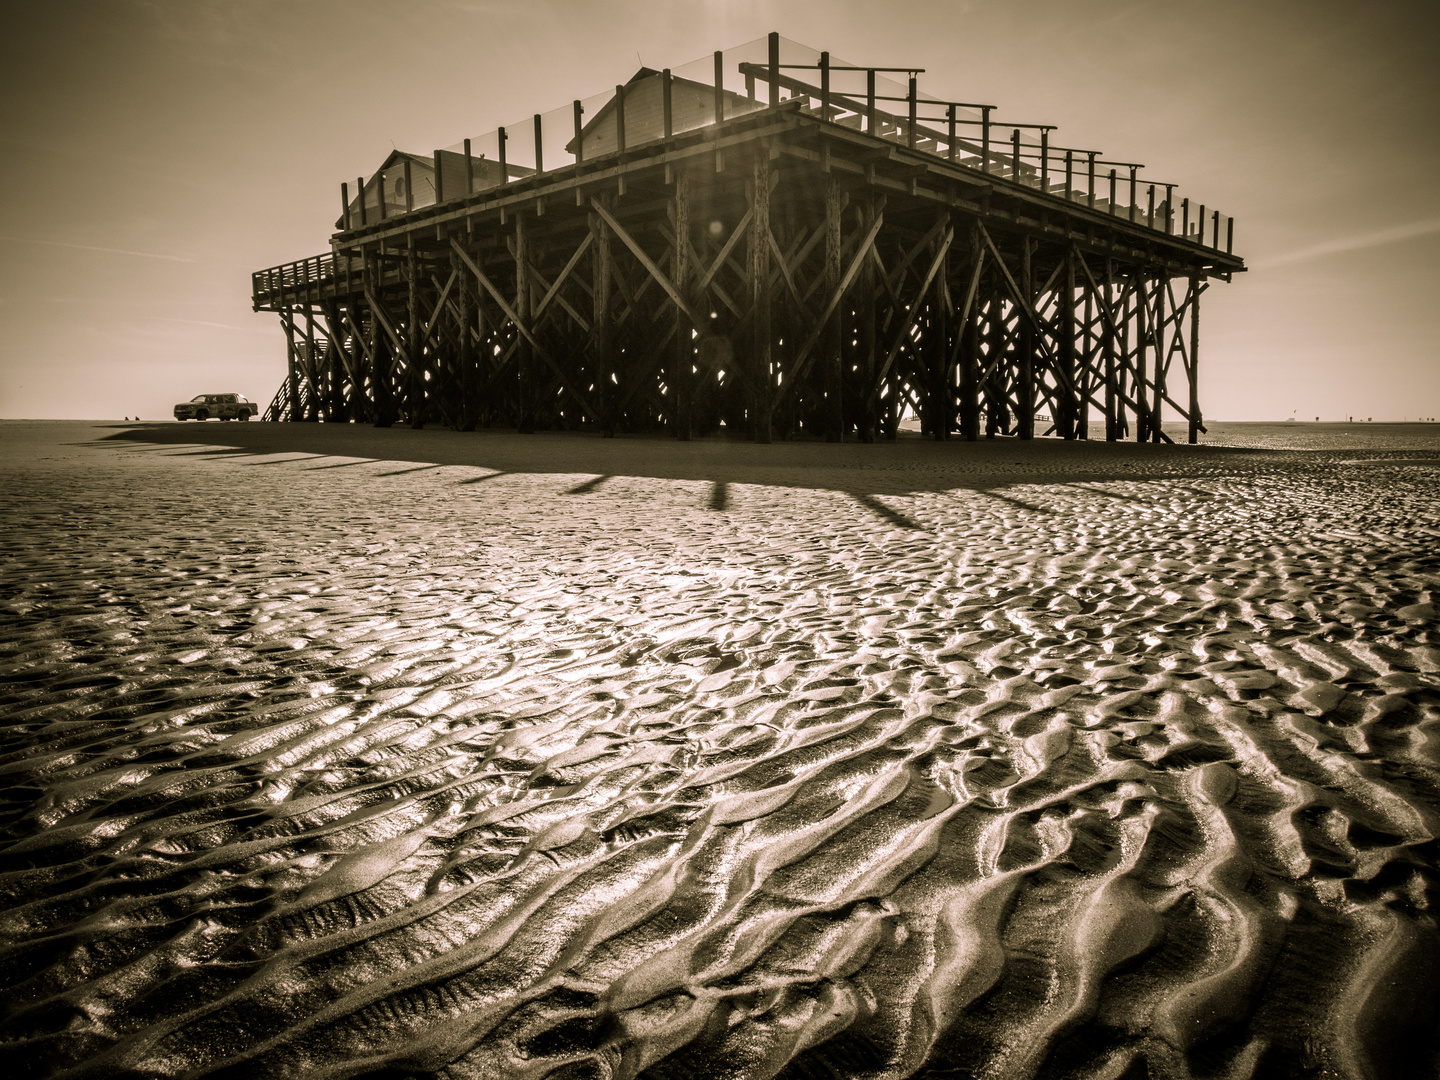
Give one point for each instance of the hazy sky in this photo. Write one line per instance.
(154, 152)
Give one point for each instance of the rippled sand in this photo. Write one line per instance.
(359, 753)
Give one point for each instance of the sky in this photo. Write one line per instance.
(153, 153)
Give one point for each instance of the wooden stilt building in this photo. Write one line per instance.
(802, 258)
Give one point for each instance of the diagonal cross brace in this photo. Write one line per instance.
(655, 272)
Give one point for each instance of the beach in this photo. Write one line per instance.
(337, 752)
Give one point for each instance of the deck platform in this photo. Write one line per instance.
(819, 263)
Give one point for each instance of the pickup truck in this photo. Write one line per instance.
(220, 406)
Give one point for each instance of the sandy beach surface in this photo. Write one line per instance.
(339, 752)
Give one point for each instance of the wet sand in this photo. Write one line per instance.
(339, 752)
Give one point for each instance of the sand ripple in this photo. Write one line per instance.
(330, 767)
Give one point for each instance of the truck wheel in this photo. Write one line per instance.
(201, 414)
(243, 416)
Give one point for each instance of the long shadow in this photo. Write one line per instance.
(906, 466)
(588, 485)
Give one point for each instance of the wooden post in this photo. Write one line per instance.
(312, 369)
(1067, 401)
(1195, 421)
(1088, 368)
(865, 301)
(539, 146)
(1090, 198)
(526, 358)
(995, 405)
(681, 372)
(1150, 212)
(940, 399)
(1142, 345)
(1025, 422)
(1229, 236)
(579, 111)
(870, 117)
(602, 321)
(1169, 209)
(834, 380)
(762, 376)
(970, 351)
(504, 169)
(774, 73)
(360, 198)
(1185, 219)
(985, 138)
(666, 103)
(1133, 171)
(620, 121)
(465, 359)
(1200, 226)
(1045, 160)
(825, 87)
(1215, 230)
(719, 86)
(469, 170)
(1015, 154)
(950, 132)
(414, 342)
(1162, 355)
(345, 205)
(1069, 174)
(409, 188)
(1112, 191)
(287, 318)
(380, 187)
(1107, 343)
(910, 128)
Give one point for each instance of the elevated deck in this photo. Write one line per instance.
(817, 264)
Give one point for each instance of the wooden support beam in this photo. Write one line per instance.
(831, 330)
(913, 310)
(679, 377)
(760, 295)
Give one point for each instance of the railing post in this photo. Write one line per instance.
(1200, 226)
(469, 171)
(1215, 230)
(1090, 198)
(409, 188)
(985, 138)
(345, 205)
(579, 127)
(1015, 154)
(360, 198)
(870, 101)
(1169, 209)
(825, 86)
(1230, 236)
(539, 146)
(439, 181)
(666, 105)
(1151, 215)
(950, 131)
(380, 187)
(504, 169)
(774, 69)
(1045, 160)
(1185, 219)
(620, 121)
(910, 130)
(1112, 191)
(719, 86)
(1069, 173)
(1133, 170)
